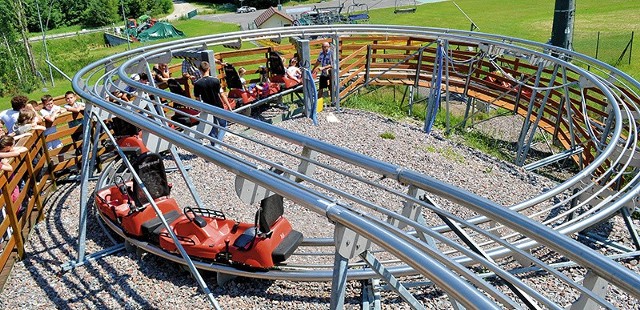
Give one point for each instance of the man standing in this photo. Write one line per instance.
(324, 63)
(208, 90)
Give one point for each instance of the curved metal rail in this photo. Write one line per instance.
(408, 232)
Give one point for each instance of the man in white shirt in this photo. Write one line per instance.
(49, 112)
(10, 117)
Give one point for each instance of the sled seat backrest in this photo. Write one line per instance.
(276, 66)
(150, 169)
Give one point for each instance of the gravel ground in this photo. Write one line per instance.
(125, 280)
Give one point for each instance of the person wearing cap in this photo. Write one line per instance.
(324, 63)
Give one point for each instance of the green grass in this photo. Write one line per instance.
(66, 29)
(388, 135)
(73, 53)
(385, 101)
(532, 20)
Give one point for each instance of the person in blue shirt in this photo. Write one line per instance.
(324, 63)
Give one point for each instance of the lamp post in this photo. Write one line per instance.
(563, 20)
(44, 43)
(126, 32)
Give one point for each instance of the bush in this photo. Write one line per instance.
(388, 135)
(100, 13)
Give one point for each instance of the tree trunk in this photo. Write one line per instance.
(19, 9)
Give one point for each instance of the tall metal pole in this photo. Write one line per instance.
(124, 18)
(44, 43)
(563, 17)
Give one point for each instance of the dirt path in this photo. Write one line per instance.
(180, 8)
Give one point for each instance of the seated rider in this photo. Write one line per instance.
(241, 72)
(293, 72)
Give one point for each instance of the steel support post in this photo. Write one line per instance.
(371, 294)
(556, 125)
(338, 281)
(335, 73)
(531, 133)
(469, 99)
(84, 180)
(609, 124)
(306, 167)
(304, 55)
(416, 82)
(445, 55)
(413, 211)
(526, 125)
(348, 245)
(567, 105)
(626, 215)
(597, 285)
(376, 266)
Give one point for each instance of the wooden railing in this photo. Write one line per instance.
(374, 60)
(34, 177)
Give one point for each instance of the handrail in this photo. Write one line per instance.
(586, 186)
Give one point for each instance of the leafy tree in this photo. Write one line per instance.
(100, 13)
(163, 6)
(72, 11)
(17, 67)
(137, 8)
(50, 12)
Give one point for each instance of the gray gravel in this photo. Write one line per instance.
(124, 280)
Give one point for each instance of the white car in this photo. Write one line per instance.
(246, 9)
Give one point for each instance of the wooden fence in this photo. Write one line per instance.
(365, 60)
(34, 176)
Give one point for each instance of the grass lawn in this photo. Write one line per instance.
(71, 54)
(530, 20)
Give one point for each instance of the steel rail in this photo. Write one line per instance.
(535, 233)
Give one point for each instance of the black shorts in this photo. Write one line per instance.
(325, 81)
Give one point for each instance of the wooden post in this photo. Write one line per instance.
(13, 220)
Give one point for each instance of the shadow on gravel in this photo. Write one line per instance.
(602, 230)
(58, 246)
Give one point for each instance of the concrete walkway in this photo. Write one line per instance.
(245, 19)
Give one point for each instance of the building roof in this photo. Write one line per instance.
(268, 13)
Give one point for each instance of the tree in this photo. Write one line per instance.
(22, 28)
(17, 67)
(52, 16)
(137, 8)
(100, 13)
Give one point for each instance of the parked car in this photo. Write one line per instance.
(246, 9)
